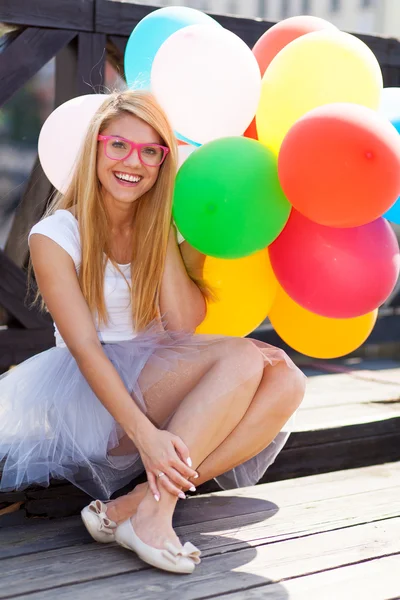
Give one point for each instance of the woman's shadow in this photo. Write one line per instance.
(210, 522)
(229, 564)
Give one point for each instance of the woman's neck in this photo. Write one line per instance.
(121, 216)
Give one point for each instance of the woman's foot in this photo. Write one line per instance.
(124, 507)
(152, 523)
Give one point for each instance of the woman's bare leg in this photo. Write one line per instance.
(278, 395)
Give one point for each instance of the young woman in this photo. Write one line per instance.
(128, 387)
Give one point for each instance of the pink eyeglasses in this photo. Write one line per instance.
(119, 148)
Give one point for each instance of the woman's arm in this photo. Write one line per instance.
(181, 301)
(59, 286)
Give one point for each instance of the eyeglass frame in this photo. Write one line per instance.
(134, 146)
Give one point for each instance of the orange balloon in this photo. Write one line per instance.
(316, 336)
(281, 34)
(339, 165)
(251, 131)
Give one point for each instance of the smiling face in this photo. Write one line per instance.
(127, 180)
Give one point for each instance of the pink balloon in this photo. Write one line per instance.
(337, 273)
(62, 135)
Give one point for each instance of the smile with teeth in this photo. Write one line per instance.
(129, 178)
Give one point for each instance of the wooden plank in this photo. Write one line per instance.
(372, 580)
(16, 345)
(314, 500)
(13, 296)
(119, 18)
(91, 63)
(30, 51)
(65, 14)
(29, 211)
(322, 458)
(100, 571)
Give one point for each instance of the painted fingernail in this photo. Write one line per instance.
(192, 489)
(182, 496)
(196, 476)
(157, 498)
(189, 461)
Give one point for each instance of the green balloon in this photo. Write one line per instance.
(228, 201)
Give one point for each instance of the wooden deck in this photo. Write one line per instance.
(331, 536)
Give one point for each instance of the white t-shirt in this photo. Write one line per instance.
(63, 228)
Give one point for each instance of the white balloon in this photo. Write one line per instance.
(208, 82)
(62, 135)
(390, 103)
(183, 154)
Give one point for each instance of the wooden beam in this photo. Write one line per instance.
(115, 52)
(26, 54)
(62, 14)
(119, 18)
(79, 70)
(14, 297)
(29, 212)
(91, 62)
(17, 345)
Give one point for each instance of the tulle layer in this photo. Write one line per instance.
(52, 425)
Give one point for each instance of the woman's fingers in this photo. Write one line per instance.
(151, 479)
(177, 479)
(183, 453)
(172, 488)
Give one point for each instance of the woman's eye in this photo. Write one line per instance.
(150, 150)
(118, 144)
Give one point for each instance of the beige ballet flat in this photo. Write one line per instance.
(171, 558)
(95, 519)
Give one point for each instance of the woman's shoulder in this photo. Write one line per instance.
(62, 227)
(61, 219)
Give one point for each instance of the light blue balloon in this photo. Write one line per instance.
(186, 140)
(150, 33)
(393, 214)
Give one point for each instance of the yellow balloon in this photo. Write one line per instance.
(315, 69)
(244, 288)
(316, 336)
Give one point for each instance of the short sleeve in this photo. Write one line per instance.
(62, 228)
(179, 236)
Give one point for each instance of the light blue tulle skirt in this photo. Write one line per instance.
(52, 425)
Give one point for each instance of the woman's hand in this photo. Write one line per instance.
(164, 452)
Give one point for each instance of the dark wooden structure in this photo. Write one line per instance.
(82, 35)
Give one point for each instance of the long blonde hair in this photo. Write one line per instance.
(152, 218)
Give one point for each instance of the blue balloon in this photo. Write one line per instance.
(186, 140)
(150, 33)
(393, 214)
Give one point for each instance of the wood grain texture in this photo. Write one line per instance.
(62, 14)
(30, 51)
(113, 572)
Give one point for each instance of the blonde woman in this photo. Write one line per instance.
(125, 391)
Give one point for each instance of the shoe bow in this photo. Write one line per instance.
(105, 524)
(187, 551)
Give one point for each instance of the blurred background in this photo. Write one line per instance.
(22, 117)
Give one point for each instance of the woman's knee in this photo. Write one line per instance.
(243, 357)
(293, 388)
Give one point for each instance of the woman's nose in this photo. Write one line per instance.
(133, 160)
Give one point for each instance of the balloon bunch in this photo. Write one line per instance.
(289, 157)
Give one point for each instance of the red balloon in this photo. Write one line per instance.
(338, 273)
(339, 165)
(284, 32)
(251, 131)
